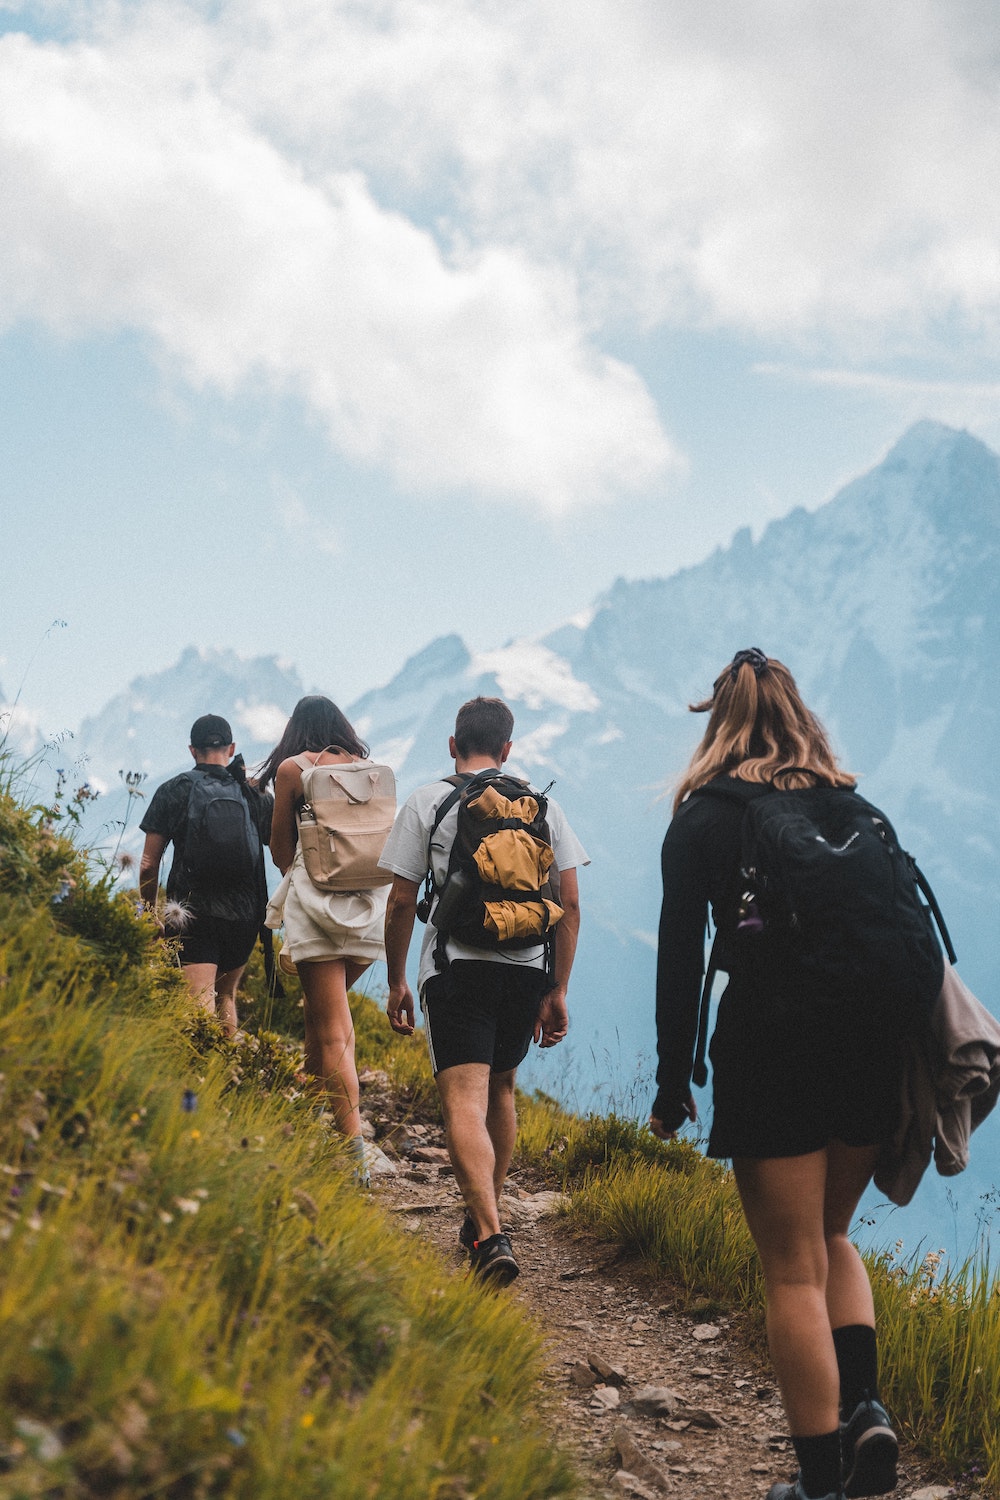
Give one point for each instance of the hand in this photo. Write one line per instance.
(399, 1008)
(658, 1128)
(553, 1018)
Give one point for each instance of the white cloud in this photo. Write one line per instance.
(730, 163)
(137, 195)
(426, 217)
(973, 404)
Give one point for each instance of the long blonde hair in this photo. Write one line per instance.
(759, 729)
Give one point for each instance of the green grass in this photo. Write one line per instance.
(196, 1302)
(194, 1298)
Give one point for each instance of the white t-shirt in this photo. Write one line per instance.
(406, 853)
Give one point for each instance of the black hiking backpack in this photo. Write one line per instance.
(830, 911)
(222, 845)
(501, 890)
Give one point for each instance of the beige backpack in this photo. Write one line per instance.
(349, 809)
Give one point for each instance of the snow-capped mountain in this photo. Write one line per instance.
(884, 604)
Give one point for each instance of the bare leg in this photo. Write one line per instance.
(783, 1200)
(200, 980)
(465, 1103)
(848, 1290)
(226, 986)
(501, 1126)
(330, 1037)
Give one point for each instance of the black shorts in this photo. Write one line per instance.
(481, 1012)
(219, 941)
(787, 1083)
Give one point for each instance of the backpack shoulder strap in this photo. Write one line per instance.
(699, 1072)
(924, 885)
(731, 789)
(458, 782)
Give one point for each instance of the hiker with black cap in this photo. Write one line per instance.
(216, 890)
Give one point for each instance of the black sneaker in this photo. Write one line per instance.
(493, 1260)
(871, 1450)
(794, 1491)
(467, 1234)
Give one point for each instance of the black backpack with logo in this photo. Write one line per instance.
(501, 889)
(222, 845)
(830, 910)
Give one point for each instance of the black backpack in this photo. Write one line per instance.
(830, 911)
(222, 845)
(501, 889)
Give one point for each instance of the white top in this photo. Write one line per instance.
(406, 853)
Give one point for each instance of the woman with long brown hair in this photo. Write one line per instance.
(331, 937)
(804, 1096)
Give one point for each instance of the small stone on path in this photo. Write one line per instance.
(656, 1401)
(610, 1374)
(630, 1484)
(637, 1462)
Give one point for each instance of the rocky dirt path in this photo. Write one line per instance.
(648, 1400)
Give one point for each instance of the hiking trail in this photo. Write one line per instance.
(647, 1399)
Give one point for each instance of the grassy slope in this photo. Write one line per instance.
(195, 1300)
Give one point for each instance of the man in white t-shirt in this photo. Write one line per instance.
(483, 1010)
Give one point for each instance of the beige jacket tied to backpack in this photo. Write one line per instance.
(951, 1082)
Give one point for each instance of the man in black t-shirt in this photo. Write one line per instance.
(222, 909)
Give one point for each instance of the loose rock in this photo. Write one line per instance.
(610, 1374)
(635, 1461)
(656, 1401)
(631, 1484)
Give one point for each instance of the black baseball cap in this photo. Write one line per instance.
(210, 732)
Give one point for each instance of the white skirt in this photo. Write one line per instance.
(327, 924)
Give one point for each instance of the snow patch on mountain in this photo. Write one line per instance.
(535, 748)
(530, 673)
(394, 752)
(20, 729)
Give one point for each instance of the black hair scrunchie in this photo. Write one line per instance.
(754, 656)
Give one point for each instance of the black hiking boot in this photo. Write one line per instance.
(493, 1261)
(467, 1234)
(871, 1450)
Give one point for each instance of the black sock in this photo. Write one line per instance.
(819, 1464)
(857, 1361)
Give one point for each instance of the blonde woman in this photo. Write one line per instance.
(803, 1096)
(332, 937)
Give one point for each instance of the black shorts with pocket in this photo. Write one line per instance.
(217, 940)
(481, 1012)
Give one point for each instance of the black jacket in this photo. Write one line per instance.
(700, 864)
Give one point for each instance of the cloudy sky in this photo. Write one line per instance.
(328, 326)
